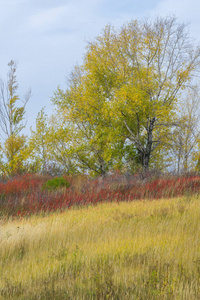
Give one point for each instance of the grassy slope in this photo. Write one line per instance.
(137, 250)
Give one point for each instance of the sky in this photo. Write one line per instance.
(47, 38)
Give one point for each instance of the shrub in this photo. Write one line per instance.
(55, 183)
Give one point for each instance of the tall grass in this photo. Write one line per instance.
(137, 250)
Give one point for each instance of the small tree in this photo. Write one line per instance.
(15, 150)
(60, 145)
(38, 142)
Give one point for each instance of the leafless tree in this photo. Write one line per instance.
(184, 137)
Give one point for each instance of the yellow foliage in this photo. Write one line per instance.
(16, 153)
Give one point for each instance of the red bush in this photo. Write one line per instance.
(23, 196)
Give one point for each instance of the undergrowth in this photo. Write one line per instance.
(25, 195)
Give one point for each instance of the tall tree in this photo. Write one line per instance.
(12, 116)
(141, 69)
(130, 82)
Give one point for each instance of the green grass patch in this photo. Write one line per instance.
(55, 183)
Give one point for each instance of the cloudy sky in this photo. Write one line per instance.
(48, 37)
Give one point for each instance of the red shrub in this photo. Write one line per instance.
(22, 195)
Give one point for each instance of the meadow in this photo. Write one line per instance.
(132, 239)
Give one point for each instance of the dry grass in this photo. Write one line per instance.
(138, 250)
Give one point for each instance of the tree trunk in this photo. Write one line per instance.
(145, 153)
(102, 166)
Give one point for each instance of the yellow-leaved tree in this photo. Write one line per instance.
(122, 101)
(12, 115)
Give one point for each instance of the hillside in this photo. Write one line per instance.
(138, 250)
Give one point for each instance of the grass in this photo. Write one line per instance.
(137, 250)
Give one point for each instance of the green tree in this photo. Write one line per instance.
(60, 143)
(78, 140)
(39, 143)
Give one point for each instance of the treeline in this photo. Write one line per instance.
(133, 104)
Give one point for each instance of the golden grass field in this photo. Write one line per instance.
(137, 250)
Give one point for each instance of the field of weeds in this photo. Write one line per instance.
(138, 250)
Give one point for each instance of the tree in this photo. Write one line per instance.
(59, 142)
(15, 151)
(12, 118)
(78, 139)
(129, 85)
(185, 136)
(141, 70)
(39, 142)
(11, 115)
